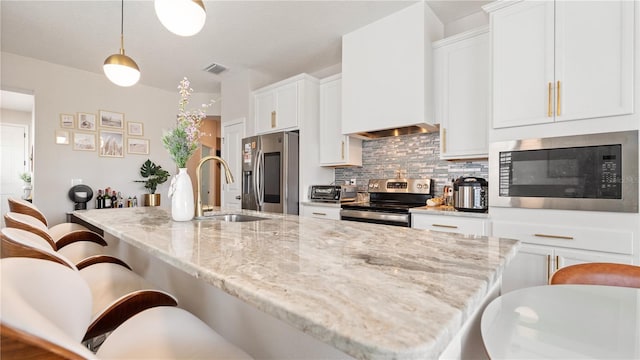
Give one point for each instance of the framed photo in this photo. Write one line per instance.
(138, 146)
(84, 141)
(67, 121)
(87, 121)
(134, 128)
(110, 119)
(111, 143)
(62, 137)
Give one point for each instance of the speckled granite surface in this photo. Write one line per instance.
(372, 291)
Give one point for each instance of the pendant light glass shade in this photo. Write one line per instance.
(181, 17)
(119, 68)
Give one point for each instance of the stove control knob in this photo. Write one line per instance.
(375, 186)
(371, 185)
(419, 186)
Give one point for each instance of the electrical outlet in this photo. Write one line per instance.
(75, 182)
(353, 181)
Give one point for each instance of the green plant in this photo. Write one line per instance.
(154, 174)
(26, 177)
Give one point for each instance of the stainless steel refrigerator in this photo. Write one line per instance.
(270, 173)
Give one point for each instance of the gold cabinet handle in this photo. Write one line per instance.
(444, 140)
(557, 262)
(549, 108)
(273, 119)
(558, 99)
(548, 267)
(554, 236)
(445, 226)
(342, 151)
(319, 213)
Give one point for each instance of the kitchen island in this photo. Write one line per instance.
(371, 291)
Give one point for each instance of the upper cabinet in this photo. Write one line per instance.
(563, 60)
(335, 149)
(279, 106)
(462, 83)
(387, 71)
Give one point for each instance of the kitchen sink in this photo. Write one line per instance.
(231, 217)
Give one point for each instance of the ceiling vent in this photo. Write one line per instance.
(215, 68)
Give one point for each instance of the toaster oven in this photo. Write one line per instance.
(333, 193)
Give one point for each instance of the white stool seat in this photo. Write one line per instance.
(181, 335)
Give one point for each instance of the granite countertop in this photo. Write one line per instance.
(372, 291)
(446, 210)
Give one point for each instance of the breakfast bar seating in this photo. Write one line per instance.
(610, 274)
(47, 308)
(75, 245)
(118, 293)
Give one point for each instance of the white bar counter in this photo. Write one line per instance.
(371, 291)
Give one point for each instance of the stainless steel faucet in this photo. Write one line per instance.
(227, 174)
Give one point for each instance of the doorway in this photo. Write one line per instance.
(210, 172)
(16, 144)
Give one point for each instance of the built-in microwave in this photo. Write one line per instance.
(596, 172)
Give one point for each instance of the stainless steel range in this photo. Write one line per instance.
(389, 201)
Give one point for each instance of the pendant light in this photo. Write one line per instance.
(181, 17)
(119, 68)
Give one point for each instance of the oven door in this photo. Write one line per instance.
(376, 217)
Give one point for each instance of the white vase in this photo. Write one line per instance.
(181, 194)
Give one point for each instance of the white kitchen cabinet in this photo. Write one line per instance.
(563, 60)
(335, 149)
(387, 71)
(448, 223)
(462, 82)
(547, 247)
(277, 108)
(321, 212)
(534, 264)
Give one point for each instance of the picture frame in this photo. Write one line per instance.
(111, 143)
(67, 121)
(62, 137)
(84, 141)
(111, 119)
(138, 146)
(86, 121)
(135, 128)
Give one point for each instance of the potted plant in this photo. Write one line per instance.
(154, 175)
(26, 189)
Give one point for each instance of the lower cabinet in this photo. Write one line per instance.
(321, 212)
(448, 223)
(547, 248)
(534, 264)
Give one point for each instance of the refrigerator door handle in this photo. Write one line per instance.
(256, 177)
(261, 179)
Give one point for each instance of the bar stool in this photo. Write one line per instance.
(118, 293)
(610, 274)
(25, 207)
(46, 308)
(92, 243)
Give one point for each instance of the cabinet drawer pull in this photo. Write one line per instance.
(321, 214)
(445, 226)
(558, 99)
(548, 267)
(554, 236)
(549, 108)
(273, 119)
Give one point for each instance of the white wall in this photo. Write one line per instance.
(59, 89)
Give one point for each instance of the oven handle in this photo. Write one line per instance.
(375, 215)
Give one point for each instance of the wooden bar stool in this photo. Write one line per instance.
(47, 307)
(610, 274)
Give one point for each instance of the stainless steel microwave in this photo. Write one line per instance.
(597, 172)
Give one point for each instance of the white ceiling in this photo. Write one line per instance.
(280, 38)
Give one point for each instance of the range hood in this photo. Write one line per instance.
(406, 130)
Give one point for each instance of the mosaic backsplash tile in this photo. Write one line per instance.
(410, 156)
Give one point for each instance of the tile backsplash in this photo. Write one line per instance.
(413, 156)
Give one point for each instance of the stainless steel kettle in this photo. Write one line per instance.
(471, 194)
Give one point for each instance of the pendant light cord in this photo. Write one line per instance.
(122, 27)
